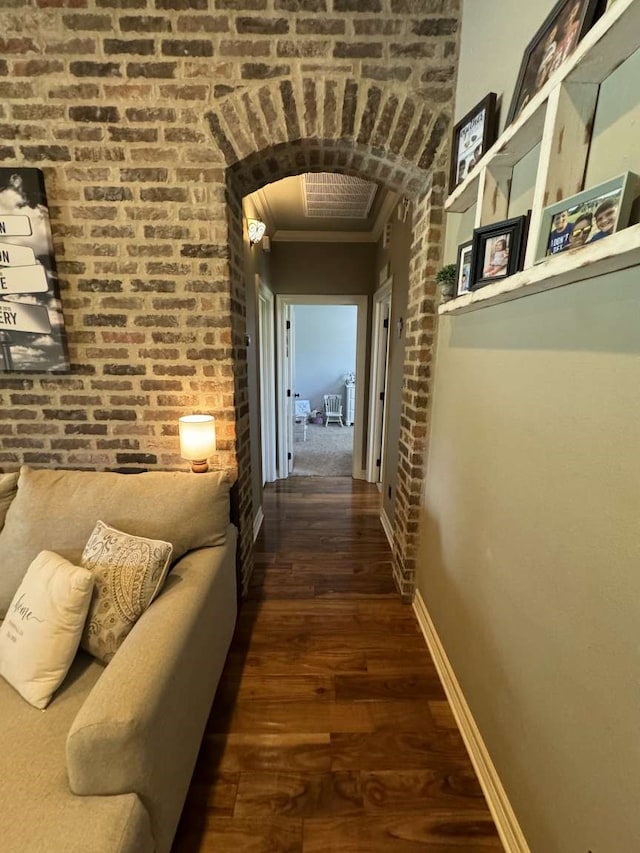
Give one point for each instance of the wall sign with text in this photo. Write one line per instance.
(31, 322)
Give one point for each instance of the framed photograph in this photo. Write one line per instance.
(463, 268)
(498, 250)
(556, 39)
(472, 136)
(32, 334)
(588, 216)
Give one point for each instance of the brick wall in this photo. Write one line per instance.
(150, 120)
(426, 259)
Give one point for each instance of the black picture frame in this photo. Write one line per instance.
(472, 136)
(463, 268)
(553, 43)
(498, 250)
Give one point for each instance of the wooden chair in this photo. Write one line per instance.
(332, 409)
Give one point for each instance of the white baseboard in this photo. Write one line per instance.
(387, 527)
(503, 815)
(257, 523)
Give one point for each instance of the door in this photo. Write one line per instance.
(286, 378)
(285, 386)
(382, 387)
(290, 371)
(267, 384)
(378, 382)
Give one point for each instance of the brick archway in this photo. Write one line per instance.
(380, 131)
(426, 189)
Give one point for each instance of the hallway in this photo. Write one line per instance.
(330, 730)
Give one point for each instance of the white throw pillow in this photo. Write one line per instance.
(41, 631)
(129, 572)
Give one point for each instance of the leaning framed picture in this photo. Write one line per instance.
(32, 336)
(463, 268)
(554, 42)
(588, 216)
(472, 136)
(498, 250)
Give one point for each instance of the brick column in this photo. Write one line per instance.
(426, 257)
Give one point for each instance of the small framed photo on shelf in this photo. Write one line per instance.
(463, 269)
(587, 217)
(554, 42)
(472, 137)
(498, 250)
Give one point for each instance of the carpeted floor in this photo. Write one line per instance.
(327, 452)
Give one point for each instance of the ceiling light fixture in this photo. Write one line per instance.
(256, 229)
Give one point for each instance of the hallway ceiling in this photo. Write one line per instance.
(324, 207)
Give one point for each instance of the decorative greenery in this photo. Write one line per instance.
(446, 278)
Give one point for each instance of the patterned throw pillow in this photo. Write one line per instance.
(129, 572)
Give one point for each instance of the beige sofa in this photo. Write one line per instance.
(106, 767)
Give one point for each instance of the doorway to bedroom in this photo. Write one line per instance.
(321, 336)
(324, 366)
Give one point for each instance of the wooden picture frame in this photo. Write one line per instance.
(498, 250)
(463, 268)
(556, 39)
(472, 136)
(587, 217)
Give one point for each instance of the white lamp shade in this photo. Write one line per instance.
(197, 436)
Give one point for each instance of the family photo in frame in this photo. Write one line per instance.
(463, 268)
(587, 217)
(472, 136)
(554, 42)
(498, 250)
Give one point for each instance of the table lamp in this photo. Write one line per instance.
(197, 440)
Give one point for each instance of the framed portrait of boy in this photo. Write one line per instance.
(554, 42)
(472, 136)
(463, 268)
(498, 250)
(587, 217)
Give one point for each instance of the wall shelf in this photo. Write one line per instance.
(617, 252)
(559, 118)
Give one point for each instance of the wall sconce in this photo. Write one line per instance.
(197, 440)
(256, 230)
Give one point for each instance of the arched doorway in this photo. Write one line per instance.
(420, 326)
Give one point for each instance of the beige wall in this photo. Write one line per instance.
(529, 537)
(323, 268)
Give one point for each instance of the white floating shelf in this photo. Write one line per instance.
(614, 253)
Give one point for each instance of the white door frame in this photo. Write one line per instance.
(362, 304)
(378, 379)
(267, 382)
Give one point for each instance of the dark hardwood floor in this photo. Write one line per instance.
(330, 730)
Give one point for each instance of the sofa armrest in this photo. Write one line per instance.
(140, 728)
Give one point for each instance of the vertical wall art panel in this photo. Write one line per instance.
(31, 321)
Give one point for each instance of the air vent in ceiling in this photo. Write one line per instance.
(337, 196)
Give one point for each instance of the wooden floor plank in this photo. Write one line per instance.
(330, 730)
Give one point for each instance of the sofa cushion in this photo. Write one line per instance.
(128, 572)
(8, 491)
(39, 814)
(40, 635)
(57, 511)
